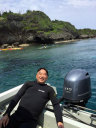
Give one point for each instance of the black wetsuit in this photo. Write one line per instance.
(34, 97)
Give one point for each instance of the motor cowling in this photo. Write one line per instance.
(77, 87)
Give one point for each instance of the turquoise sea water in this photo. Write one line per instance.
(19, 66)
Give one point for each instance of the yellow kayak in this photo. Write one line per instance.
(10, 49)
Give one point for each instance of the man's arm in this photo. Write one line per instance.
(15, 99)
(5, 119)
(57, 109)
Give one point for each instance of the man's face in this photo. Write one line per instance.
(41, 76)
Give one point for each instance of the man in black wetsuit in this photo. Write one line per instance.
(33, 97)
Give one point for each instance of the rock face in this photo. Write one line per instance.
(7, 38)
(29, 37)
(82, 36)
(35, 26)
(54, 37)
(86, 33)
(62, 36)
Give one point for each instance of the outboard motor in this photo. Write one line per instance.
(77, 89)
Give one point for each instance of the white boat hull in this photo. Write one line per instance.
(47, 118)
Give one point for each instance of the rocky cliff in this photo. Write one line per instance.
(35, 26)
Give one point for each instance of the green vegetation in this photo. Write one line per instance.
(63, 26)
(31, 20)
(88, 32)
(39, 25)
(36, 21)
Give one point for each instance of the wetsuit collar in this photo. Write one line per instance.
(40, 83)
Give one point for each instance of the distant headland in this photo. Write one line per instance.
(36, 27)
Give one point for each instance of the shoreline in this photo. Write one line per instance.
(55, 42)
(72, 40)
(66, 41)
(14, 47)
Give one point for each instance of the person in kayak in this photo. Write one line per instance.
(33, 97)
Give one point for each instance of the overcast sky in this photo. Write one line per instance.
(80, 13)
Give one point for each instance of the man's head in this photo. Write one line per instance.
(42, 75)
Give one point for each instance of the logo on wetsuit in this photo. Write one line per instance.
(41, 90)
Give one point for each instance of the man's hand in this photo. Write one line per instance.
(4, 120)
(60, 125)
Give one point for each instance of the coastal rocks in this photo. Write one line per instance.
(37, 38)
(62, 36)
(23, 45)
(43, 38)
(36, 27)
(15, 45)
(7, 38)
(4, 46)
(86, 36)
(29, 37)
(50, 38)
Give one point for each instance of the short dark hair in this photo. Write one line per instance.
(43, 69)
